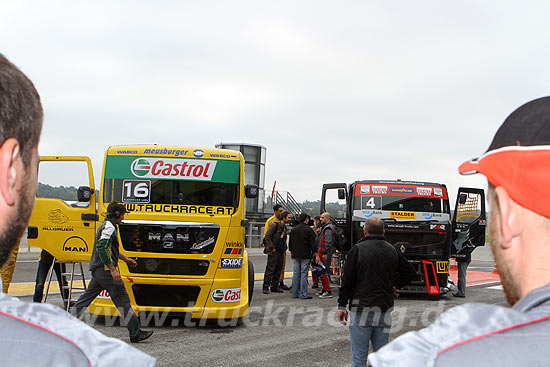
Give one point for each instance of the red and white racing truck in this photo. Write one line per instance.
(418, 222)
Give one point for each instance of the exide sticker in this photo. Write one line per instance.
(231, 263)
(173, 168)
(226, 295)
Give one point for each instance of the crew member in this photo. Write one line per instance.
(277, 211)
(105, 274)
(373, 268)
(275, 248)
(325, 253)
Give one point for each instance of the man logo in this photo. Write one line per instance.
(140, 167)
(198, 153)
(75, 244)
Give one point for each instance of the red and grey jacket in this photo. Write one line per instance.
(477, 334)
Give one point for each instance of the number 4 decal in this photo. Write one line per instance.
(371, 204)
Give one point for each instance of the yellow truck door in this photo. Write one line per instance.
(64, 218)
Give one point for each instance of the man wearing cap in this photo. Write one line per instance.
(517, 167)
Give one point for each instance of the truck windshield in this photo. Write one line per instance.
(174, 192)
(412, 204)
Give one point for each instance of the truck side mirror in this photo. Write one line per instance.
(84, 193)
(251, 191)
(462, 199)
(341, 194)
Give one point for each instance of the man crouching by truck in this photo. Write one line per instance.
(373, 268)
(105, 275)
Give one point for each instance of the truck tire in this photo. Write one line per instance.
(250, 281)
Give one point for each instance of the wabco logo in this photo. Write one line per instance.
(226, 295)
(140, 167)
(198, 153)
(173, 168)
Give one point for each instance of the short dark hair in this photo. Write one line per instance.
(277, 207)
(302, 217)
(115, 210)
(374, 226)
(21, 112)
(284, 214)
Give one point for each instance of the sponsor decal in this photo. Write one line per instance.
(59, 229)
(75, 244)
(379, 189)
(402, 248)
(165, 151)
(173, 168)
(236, 244)
(225, 295)
(438, 191)
(442, 267)
(198, 153)
(424, 191)
(103, 295)
(365, 189)
(127, 152)
(182, 209)
(56, 216)
(403, 215)
(231, 263)
(367, 213)
(437, 227)
(233, 251)
(482, 222)
(428, 215)
(203, 244)
(217, 155)
(402, 190)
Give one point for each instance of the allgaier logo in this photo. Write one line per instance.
(182, 169)
(226, 295)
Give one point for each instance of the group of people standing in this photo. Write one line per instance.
(308, 247)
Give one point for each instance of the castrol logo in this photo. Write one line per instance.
(178, 169)
(226, 295)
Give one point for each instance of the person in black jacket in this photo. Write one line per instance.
(301, 246)
(373, 268)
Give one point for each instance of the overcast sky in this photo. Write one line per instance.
(336, 91)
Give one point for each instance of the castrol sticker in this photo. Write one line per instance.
(226, 295)
(104, 295)
(182, 169)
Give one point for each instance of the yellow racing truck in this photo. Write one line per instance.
(185, 227)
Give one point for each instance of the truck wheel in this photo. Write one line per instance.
(250, 281)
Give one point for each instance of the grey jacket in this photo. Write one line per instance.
(39, 334)
(477, 334)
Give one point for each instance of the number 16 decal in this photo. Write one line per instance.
(136, 191)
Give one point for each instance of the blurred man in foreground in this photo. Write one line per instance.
(35, 334)
(517, 167)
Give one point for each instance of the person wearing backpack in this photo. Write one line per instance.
(325, 253)
(275, 248)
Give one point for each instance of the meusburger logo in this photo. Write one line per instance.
(226, 295)
(174, 168)
(140, 167)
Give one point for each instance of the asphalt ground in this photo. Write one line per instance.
(280, 330)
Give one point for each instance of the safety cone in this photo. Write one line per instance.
(495, 270)
(452, 262)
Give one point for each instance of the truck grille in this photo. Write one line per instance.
(419, 244)
(169, 237)
(170, 266)
(165, 295)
